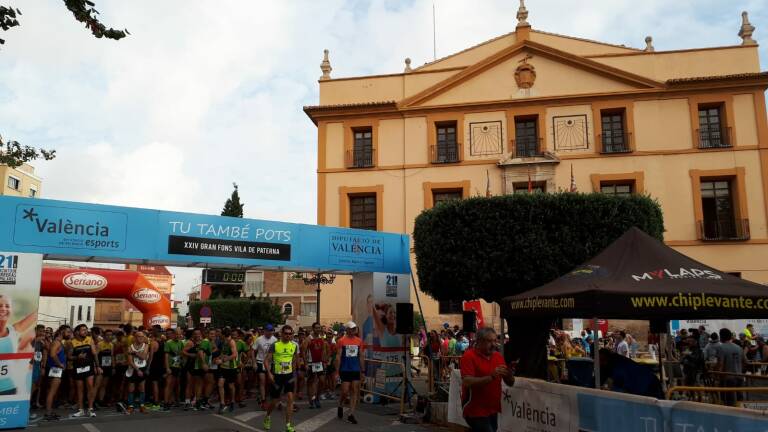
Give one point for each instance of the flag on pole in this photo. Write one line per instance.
(573, 181)
(487, 184)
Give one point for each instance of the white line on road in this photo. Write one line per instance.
(317, 421)
(239, 423)
(246, 417)
(90, 427)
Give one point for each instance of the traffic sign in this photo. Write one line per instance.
(206, 312)
(205, 320)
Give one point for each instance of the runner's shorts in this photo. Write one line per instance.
(82, 376)
(176, 372)
(229, 375)
(260, 368)
(348, 376)
(283, 384)
(135, 378)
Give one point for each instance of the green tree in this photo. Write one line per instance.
(242, 312)
(233, 207)
(490, 248)
(13, 153)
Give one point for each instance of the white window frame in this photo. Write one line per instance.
(18, 187)
(32, 192)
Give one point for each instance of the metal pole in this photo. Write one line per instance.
(595, 340)
(318, 297)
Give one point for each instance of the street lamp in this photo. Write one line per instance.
(318, 279)
(251, 301)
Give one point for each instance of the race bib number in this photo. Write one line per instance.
(285, 367)
(352, 350)
(55, 372)
(140, 363)
(317, 367)
(106, 361)
(38, 356)
(129, 373)
(83, 369)
(120, 358)
(213, 366)
(175, 360)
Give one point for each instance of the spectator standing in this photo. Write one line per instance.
(692, 361)
(622, 348)
(482, 369)
(712, 350)
(732, 361)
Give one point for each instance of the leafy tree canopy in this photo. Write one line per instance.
(494, 247)
(12, 153)
(233, 207)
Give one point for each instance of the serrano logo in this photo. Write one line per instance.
(146, 295)
(162, 320)
(84, 282)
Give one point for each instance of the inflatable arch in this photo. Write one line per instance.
(98, 283)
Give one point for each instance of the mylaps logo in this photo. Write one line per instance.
(84, 282)
(682, 273)
(146, 295)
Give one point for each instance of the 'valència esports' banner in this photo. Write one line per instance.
(19, 296)
(69, 230)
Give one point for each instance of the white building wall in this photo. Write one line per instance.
(55, 311)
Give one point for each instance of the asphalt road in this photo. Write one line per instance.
(370, 418)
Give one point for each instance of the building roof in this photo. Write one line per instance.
(741, 76)
(351, 105)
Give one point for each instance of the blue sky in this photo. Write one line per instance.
(200, 96)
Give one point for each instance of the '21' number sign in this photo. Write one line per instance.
(8, 261)
(8, 264)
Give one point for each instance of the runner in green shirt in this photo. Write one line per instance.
(173, 347)
(227, 361)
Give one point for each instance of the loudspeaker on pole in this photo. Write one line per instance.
(404, 318)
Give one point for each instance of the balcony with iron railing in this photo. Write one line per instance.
(612, 143)
(442, 154)
(527, 147)
(360, 158)
(714, 137)
(714, 230)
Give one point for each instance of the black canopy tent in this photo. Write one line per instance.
(639, 277)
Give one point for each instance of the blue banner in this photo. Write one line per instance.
(70, 230)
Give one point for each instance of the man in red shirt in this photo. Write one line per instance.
(482, 369)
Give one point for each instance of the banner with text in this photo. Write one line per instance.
(539, 406)
(19, 296)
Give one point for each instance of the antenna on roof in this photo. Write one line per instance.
(434, 33)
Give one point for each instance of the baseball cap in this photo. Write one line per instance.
(350, 325)
(269, 327)
(446, 325)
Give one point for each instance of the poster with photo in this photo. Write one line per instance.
(375, 299)
(19, 296)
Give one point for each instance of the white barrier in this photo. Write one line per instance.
(539, 406)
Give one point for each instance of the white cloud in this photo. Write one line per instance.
(203, 94)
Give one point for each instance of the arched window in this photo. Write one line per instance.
(287, 309)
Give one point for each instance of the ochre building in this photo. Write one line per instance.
(532, 110)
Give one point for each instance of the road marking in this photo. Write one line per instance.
(237, 422)
(246, 417)
(317, 421)
(90, 427)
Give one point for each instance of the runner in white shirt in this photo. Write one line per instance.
(260, 349)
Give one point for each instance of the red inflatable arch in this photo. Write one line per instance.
(97, 283)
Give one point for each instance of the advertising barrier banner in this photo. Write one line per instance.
(19, 296)
(539, 406)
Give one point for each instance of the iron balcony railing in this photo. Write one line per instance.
(615, 142)
(527, 147)
(714, 230)
(440, 153)
(361, 158)
(714, 137)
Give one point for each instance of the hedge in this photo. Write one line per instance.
(240, 312)
(493, 247)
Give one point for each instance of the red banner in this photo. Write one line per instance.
(98, 283)
(475, 305)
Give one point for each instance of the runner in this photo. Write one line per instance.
(302, 369)
(104, 348)
(350, 363)
(138, 362)
(40, 346)
(172, 362)
(281, 362)
(228, 364)
(156, 365)
(83, 356)
(57, 362)
(316, 349)
(331, 373)
(120, 349)
(243, 357)
(196, 367)
(211, 348)
(260, 349)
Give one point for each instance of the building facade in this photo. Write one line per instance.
(20, 181)
(532, 110)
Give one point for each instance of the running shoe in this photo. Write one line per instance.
(340, 412)
(221, 409)
(187, 406)
(91, 413)
(121, 407)
(231, 407)
(129, 411)
(267, 423)
(289, 428)
(79, 413)
(317, 404)
(351, 419)
(142, 409)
